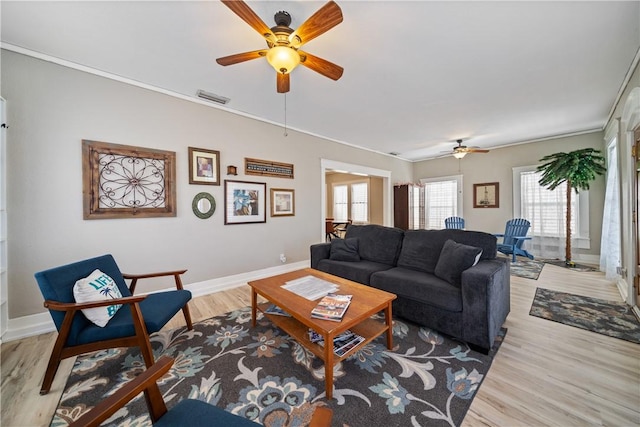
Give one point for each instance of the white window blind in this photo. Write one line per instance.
(416, 207)
(340, 203)
(441, 201)
(546, 209)
(359, 202)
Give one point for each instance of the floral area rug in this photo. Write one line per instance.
(262, 374)
(611, 318)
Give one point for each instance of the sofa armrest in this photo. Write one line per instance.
(486, 299)
(319, 251)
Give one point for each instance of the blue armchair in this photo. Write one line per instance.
(130, 326)
(188, 412)
(515, 234)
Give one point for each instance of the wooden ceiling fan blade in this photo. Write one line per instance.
(325, 18)
(476, 150)
(322, 66)
(282, 83)
(247, 14)
(241, 57)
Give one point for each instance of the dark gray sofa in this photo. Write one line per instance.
(470, 304)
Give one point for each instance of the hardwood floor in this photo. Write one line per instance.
(545, 373)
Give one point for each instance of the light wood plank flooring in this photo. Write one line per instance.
(545, 374)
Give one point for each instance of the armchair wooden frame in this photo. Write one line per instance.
(141, 338)
(147, 382)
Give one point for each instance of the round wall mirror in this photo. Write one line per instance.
(203, 205)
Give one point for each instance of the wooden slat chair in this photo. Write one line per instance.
(454, 222)
(330, 230)
(515, 234)
(188, 412)
(129, 327)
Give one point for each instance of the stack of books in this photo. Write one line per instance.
(332, 307)
(341, 344)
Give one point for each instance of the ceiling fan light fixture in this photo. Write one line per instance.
(459, 154)
(283, 59)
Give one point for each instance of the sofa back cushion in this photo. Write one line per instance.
(377, 243)
(421, 248)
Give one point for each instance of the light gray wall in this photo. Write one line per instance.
(51, 108)
(497, 166)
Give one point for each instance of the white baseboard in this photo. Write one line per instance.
(40, 323)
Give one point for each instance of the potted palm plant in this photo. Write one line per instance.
(577, 168)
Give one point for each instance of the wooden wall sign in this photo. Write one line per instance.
(268, 168)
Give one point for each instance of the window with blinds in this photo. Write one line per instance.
(340, 203)
(546, 209)
(416, 207)
(441, 201)
(359, 202)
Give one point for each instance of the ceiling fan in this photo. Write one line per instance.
(462, 150)
(284, 43)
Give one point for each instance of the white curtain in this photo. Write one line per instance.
(545, 210)
(610, 243)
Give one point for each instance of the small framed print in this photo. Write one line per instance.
(204, 166)
(282, 202)
(244, 202)
(486, 195)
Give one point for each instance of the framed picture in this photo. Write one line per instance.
(486, 195)
(244, 202)
(123, 181)
(268, 168)
(204, 166)
(282, 202)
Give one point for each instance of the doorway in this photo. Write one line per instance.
(383, 190)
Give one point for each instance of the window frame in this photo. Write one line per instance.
(349, 185)
(459, 189)
(580, 238)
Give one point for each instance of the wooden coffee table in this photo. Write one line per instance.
(366, 302)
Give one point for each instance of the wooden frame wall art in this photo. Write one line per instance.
(204, 166)
(282, 202)
(268, 168)
(244, 202)
(122, 181)
(486, 195)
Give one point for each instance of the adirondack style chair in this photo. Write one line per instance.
(515, 234)
(454, 222)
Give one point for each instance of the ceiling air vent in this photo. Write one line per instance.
(212, 97)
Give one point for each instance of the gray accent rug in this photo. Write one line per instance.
(524, 267)
(262, 374)
(611, 318)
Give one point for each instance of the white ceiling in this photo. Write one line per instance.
(417, 74)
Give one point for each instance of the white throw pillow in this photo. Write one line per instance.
(97, 287)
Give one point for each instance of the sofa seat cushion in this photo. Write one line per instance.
(419, 286)
(357, 271)
(377, 243)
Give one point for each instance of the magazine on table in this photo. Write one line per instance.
(342, 346)
(274, 309)
(316, 337)
(332, 307)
